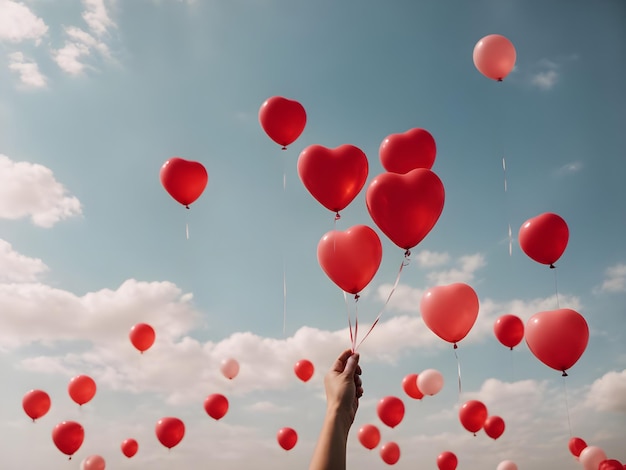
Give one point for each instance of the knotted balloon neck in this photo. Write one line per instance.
(564, 374)
(499, 80)
(456, 347)
(284, 147)
(356, 297)
(337, 216)
(187, 206)
(552, 266)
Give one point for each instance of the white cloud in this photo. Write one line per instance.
(18, 23)
(29, 189)
(615, 280)
(468, 265)
(15, 267)
(97, 17)
(28, 70)
(545, 80)
(572, 167)
(608, 393)
(268, 407)
(430, 259)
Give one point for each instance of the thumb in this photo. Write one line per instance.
(351, 364)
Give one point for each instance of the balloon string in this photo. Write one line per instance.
(405, 261)
(345, 298)
(556, 289)
(508, 216)
(284, 299)
(569, 422)
(187, 230)
(458, 368)
(356, 321)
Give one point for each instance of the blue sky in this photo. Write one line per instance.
(95, 95)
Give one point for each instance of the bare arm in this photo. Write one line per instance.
(343, 390)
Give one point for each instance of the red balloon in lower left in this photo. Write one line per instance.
(287, 438)
(68, 436)
(170, 431)
(390, 453)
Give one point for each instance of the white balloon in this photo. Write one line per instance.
(591, 456)
(507, 465)
(430, 382)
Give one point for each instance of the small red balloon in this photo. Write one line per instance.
(184, 180)
(390, 410)
(401, 153)
(369, 436)
(610, 464)
(576, 446)
(170, 431)
(36, 404)
(494, 56)
(494, 426)
(333, 176)
(350, 258)
(82, 389)
(544, 238)
(216, 406)
(509, 329)
(282, 119)
(68, 436)
(287, 438)
(473, 415)
(142, 336)
(129, 447)
(304, 369)
(390, 453)
(409, 385)
(447, 461)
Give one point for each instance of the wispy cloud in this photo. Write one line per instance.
(546, 73)
(18, 23)
(615, 279)
(28, 70)
(569, 168)
(463, 272)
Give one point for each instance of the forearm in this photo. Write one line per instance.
(330, 452)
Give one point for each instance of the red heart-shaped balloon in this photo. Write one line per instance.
(333, 176)
(184, 180)
(401, 153)
(557, 337)
(450, 311)
(282, 119)
(544, 238)
(350, 258)
(406, 207)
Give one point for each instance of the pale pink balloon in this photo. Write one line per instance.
(591, 456)
(430, 382)
(507, 465)
(93, 462)
(230, 368)
(494, 56)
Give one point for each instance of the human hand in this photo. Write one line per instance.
(344, 387)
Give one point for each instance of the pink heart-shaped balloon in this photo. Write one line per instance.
(350, 258)
(450, 311)
(557, 337)
(406, 207)
(333, 176)
(401, 153)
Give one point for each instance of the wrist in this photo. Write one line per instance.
(339, 418)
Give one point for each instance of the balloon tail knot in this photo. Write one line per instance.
(69, 458)
(499, 79)
(552, 266)
(337, 216)
(356, 297)
(564, 374)
(456, 347)
(474, 434)
(511, 348)
(284, 147)
(187, 206)
(407, 253)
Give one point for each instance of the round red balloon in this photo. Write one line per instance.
(282, 119)
(142, 336)
(401, 153)
(390, 410)
(544, 238)
(184, 180)
(610, 464)
(304, 369)
(287, 438)
(129, 447)
(473, 415)
(558, 338)
(509, 329)
(82, 389)
(494, 56)
(216, 406)
(447, 461)
(494, 426)
(405, 207)
(170, 431)
(350, 258)
(576, 446)
(450, 311)
(390, 453)
(369, 436)
(36, 404)
(68, 436)
(409, 385)
(333, 176)
(93, 462)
